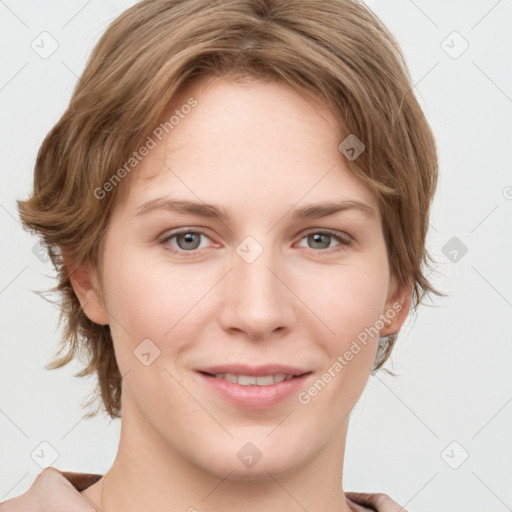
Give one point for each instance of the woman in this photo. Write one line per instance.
(236, 201)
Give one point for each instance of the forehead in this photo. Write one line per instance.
(249, 142)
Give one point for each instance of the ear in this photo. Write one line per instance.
(86, 286)
(397, 308)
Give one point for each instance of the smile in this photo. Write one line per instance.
(253, 380)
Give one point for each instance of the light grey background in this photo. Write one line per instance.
(453, 397)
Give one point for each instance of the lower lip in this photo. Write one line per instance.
(254, 397)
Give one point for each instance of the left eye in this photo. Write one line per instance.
(324, 238)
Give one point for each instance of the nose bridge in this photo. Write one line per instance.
(257, 301)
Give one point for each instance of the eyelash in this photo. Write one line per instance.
(344, 242)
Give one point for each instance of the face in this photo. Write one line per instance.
(272, 286)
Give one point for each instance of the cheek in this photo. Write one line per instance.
(351, 313)
(150, 297)
(347, 299)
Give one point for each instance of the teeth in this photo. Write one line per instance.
(251, 380)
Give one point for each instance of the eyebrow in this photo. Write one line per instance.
(310, 211)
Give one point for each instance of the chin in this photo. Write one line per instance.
(249, 464)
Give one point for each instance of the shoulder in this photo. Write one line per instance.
(378, 502)
(53, 490)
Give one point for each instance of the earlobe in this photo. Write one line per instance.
(397, 309)
(86, 287)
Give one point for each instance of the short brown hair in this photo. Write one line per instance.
(336, 50)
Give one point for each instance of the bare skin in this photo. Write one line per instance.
(260, 151)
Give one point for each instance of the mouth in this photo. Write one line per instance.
(256, 387)
(253, 380)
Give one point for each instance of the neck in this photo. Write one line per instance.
(148, 474)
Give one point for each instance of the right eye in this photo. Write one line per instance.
(188, 241)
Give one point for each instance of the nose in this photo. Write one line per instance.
(256, 296)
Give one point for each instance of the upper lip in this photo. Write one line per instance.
(243, 369)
